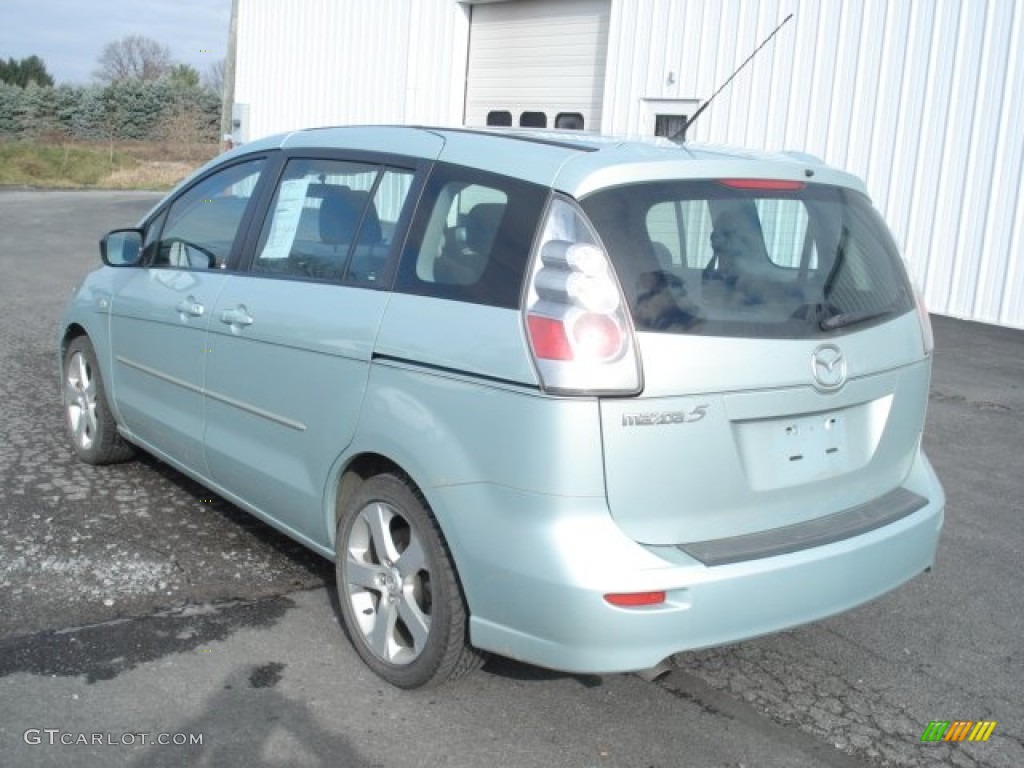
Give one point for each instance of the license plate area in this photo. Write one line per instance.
(782, 452)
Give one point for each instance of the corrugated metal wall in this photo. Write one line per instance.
(306, 63)
(922, 98)
(925, 100)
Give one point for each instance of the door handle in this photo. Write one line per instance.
(237, 316)
(190, 307)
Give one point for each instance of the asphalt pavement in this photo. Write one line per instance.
(135, 607)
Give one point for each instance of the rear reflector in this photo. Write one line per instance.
(635, 599)
(776, 184)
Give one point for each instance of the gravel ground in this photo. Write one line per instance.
(82, 544)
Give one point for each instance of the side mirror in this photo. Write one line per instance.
(122, 248)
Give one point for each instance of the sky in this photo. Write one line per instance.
(69, 35)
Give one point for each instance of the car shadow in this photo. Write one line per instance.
(321, 571)
(310, 564)
(510, 669)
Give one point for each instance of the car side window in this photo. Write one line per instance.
(461, 234)
(332, 220)
(201, 225)
(472, 237)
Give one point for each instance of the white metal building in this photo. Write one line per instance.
(922, 98)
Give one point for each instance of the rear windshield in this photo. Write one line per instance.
(705, 257)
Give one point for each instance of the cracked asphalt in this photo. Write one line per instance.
(79, 543)
(131, 598)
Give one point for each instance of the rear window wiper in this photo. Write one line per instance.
(852, 318)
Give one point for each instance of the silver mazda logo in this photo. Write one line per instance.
(828, 366)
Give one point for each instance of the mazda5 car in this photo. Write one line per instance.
(580, 401)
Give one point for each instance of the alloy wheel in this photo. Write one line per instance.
(80, 400)
(388, 583)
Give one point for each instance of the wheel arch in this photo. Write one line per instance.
(96, 438)
(74, 329)
(356, 471)
(71, 332)
(360, 467)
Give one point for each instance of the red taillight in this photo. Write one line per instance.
(635, 599)
(770, 184)
(595, 337)
(548, 338)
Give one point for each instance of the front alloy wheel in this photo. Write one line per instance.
(89, 421)
(80, 398)
(398, 591)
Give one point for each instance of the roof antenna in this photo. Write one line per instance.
(680, 135)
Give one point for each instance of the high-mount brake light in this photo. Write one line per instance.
(576, 319)
(778, 185)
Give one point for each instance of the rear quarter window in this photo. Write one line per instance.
(704, 258)
(471, 237)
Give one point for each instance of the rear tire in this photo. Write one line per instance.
(87, 416)
(397, 587)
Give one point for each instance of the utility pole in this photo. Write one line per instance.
(228, 96)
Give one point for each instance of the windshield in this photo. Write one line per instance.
(717, 258)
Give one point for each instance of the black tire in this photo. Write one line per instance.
(87, 416)
(398, 590)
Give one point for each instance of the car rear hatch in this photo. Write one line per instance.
(784, 369)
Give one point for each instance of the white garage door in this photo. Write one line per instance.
(538, 63)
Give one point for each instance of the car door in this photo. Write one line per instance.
(159, 318)
(290, 341)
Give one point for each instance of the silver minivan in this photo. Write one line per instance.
(580, 401)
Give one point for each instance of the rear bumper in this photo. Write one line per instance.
(535, 569)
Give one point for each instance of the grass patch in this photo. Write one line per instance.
(67, 165)
(128, 165)
(155, 174)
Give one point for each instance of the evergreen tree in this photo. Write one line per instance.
(10, 101)
(67, 99)
(28, 70)
(88, 119)
(186, 75)
(129, 109)
(36, 113)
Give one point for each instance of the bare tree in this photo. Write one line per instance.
(183, 126)
(133, 57)
(213, 79)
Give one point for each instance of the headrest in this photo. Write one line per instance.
(340, 214)
(482, 224)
